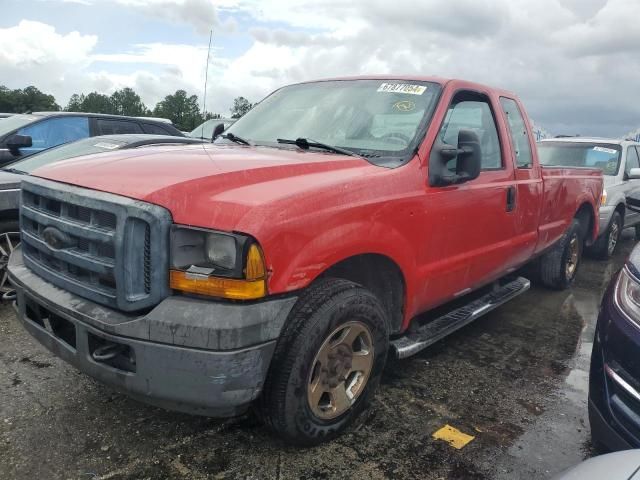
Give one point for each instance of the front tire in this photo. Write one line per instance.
(327, 364)
(606, 245)
(559, 266)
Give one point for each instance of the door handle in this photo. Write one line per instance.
(511, 198)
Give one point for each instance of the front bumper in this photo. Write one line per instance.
(186, 354)
(614, 379)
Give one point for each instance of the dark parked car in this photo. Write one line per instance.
(25, 134)
(11, 176)
(614, 380)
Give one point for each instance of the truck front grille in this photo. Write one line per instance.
(104, 247)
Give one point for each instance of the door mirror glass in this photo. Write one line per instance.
(16, 142)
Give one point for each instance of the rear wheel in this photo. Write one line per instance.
(559, 266)
(327, 363)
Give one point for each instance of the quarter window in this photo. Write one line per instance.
(476, 115)
(518, 132)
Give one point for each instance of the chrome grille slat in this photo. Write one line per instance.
(85, 231)
(104, 247)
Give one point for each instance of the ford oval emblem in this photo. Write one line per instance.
(57, 239)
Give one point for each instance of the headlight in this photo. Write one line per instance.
(217, 264)
(603, 197)
(627, 295)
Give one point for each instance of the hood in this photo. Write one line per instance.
(210, 185)
(10, 180)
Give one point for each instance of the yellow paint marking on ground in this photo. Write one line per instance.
(453, 436)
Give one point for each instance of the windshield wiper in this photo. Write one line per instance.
(236, 139)
(305, 143)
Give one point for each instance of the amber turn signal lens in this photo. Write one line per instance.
(216, 286)
(255, 264)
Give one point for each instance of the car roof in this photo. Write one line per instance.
(101, 115)
(614, 141)
(419, 78)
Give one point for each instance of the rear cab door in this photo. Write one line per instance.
(630, 185)
(528, 180)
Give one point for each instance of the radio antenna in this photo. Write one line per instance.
(206, 78)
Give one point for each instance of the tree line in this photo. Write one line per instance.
(180, 107)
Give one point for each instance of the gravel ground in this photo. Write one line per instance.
(515, 380)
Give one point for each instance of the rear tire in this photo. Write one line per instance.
(606, 245)
(313, 391)
(559, 266)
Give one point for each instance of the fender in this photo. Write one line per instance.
(303, 262)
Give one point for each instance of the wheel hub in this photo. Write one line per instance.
(572, 260)
(340, 370)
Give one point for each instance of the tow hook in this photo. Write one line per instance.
(9, 296)
(107, 352)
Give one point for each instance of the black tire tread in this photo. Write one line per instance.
(270, 406)
(550, 265)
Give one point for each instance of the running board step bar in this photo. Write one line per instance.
(439, 328)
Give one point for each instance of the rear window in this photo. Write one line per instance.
(604, 156)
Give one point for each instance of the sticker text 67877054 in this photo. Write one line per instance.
(402, 88)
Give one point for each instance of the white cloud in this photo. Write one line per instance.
(573, 62)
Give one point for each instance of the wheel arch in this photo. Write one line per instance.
(381, 275)
(588, 226)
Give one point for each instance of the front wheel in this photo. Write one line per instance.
(605, 246)
(559, 266)
(9, 240)
(327, 363)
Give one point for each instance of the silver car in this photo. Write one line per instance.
(619, 161)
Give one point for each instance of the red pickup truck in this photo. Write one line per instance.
(278, 266)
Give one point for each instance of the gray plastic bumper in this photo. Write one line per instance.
(186, 354)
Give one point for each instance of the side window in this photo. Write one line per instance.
(55, 131)
(154, 129)
(116, 127)
(632, 159)
(518, 131)
(474, 115)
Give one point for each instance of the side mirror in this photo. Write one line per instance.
(634, 174)
(468, 165)
(217, 131)
(16, 142)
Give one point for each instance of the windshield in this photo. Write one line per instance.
(383, 120)
(605, 156)
(14, 122)
(63, 152)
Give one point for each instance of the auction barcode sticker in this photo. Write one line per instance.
(611, 151)
(402, 88)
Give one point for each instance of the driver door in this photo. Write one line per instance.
(468, 242)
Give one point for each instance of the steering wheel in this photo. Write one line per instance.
(397, 137)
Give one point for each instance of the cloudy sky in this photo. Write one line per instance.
(575, 63)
